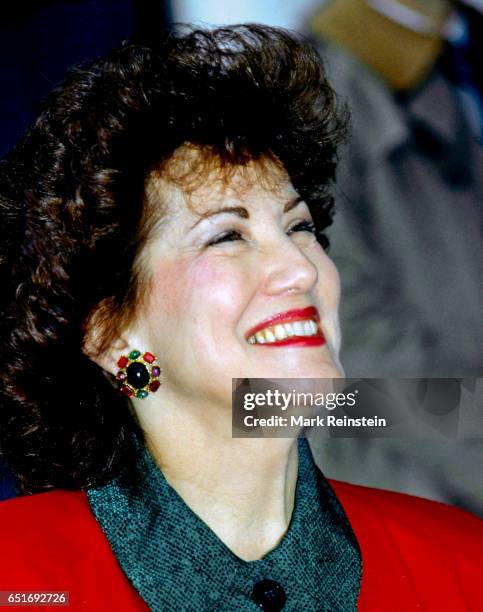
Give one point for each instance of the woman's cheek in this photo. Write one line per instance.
(328, 286)
(333, 283)
(333, 333)
(331, 291)
(221, 290)
(169, 295)
(328, 275)
(220, 283)
(328, 296)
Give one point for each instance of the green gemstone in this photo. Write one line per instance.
(142, 394)
(134, 354)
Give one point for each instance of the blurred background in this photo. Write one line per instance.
(408, 234)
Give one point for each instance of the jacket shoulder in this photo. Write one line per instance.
(52, 542)
(45, 519)
(422, 516)
(416, 553)
(51, 501)
(45, 533)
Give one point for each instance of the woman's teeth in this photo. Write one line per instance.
(284, 330)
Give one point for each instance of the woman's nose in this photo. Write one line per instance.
(289, 270)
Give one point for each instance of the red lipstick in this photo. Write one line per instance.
(299, 314)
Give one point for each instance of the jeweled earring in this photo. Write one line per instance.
(138, 374)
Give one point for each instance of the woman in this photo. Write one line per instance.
(163, 216)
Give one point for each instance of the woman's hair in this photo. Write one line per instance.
(73, 217)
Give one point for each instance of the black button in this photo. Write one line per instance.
(269, 595)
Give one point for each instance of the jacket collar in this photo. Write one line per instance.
(170, 555)
(431, 111)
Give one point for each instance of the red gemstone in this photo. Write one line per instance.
(122, 363)
(149, 357)
(154, 386)
(127, 391)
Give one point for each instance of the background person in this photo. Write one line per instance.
(408, 235)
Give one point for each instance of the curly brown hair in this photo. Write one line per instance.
(73, 218)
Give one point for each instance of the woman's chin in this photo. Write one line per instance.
(320, 366)
(324, 370)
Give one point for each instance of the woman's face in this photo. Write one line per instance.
(225, 259)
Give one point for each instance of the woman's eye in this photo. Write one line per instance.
(309, 226)
(303, 226)
(232, 235)
(226, 237)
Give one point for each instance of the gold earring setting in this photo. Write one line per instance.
(138, 374)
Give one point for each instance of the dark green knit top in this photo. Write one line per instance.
(176, 562)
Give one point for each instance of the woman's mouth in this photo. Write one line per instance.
(293, 327)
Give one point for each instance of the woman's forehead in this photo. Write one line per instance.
(198, 188)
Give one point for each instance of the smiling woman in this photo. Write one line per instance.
(164, 226)
(218, 251)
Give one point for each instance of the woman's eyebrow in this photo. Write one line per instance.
(292, 203)
(242, 212)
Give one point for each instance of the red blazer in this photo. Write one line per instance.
(416, 554)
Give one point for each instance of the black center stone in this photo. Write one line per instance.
(137, 375)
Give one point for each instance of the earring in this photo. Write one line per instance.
(138, 374)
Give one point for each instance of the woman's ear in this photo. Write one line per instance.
(101, 344)
(106, 357)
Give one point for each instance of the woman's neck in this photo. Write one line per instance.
(243, 489)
